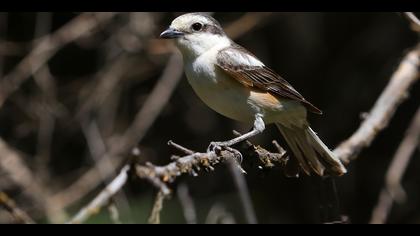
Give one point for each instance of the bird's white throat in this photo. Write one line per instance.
(195, 45)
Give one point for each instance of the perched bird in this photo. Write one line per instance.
(236, 84)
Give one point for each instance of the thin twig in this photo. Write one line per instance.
(181, 148)
(97, 148)
(194, 162)
(12, 163)
(402, 159)
(15, 211)
(114, 213)
(157, 208)
(218, 213)
(187, 204)
(414, 21)
(393, 190)
(243, 191)
(103, 198)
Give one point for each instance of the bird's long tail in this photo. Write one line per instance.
(311, 153)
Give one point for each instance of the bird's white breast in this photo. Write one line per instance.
(217, 90)
(230, 98)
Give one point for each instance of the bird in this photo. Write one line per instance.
(236, 84)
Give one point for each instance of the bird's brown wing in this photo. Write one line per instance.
(248, 70)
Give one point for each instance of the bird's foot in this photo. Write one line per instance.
(217, 147)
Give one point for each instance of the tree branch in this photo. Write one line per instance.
(414, 21)
(384, 109)
(393, 190)
(244, 195)
(15, 211)
(159, 176)
(187, 204)
(12, 163)
(103, 198)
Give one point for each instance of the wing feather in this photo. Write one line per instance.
(248, 70)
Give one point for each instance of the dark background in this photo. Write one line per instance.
(339, 61)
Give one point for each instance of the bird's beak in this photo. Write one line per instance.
(171, 34)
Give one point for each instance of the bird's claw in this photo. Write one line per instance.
(215, 147)
(218, 147)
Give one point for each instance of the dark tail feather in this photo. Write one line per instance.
(312, 154)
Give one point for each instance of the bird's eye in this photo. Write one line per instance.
(197, 26)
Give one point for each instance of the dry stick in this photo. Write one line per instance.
(393, 190)
(13, 164)
(44, 141)
(402, 158)
(414, 21)
(47, 47)
(218, 213)
(382, 112)
(97, 148)
(15, 211)
(243, 191)
(157, 208)
(401, 81)
(160, 175)
(194, 162)
(114, 214)
(181, 148)
(187, 204)
(103, 198)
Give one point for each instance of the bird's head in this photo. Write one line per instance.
(195, 33)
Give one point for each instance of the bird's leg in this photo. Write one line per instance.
(259, 127)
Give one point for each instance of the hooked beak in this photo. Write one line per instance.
(171, 34)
